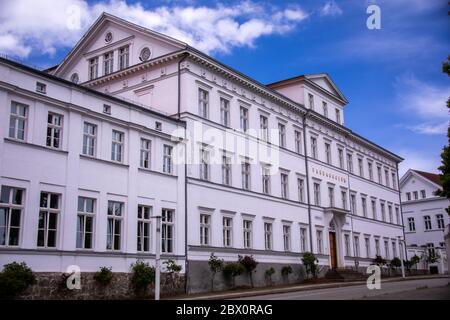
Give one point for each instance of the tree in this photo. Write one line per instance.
(104, 276)
(310, 262)
(445, 155)
(233, 270)
(15, 279)
(379, 261)
(143, 275)
(172, 268)
(269, 272)
(249, 264)
(215, 265)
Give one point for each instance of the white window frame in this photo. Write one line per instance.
(167, 158)
(244, 118)
(144, 222)
(298, 141)
(328, 152)
(89, 139)
(246, 175)
(313, 141)
(319, 241)
(287, 237)
(205, 229)
(316, 189)
(167, 223)
(117, 146)
(7, 208)
(411, 224)
(108, 63)
(146, 153)
(115, 214)
(265, 179)
(225, 112)
(226, 170)
(227, 225)
(301, 189)
(440, 221)
(16, 118)
(282, 135)
(124, 57)
(93, 68)
(284, 179)
(264, 127)
(247, 226)
(203, 103)
(268, 235)
(47, 211)
(303, 239)
(85, 214)
(204, 167)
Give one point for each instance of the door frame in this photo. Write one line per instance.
(333, 249)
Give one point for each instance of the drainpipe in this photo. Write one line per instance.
(186, 265)
(307, 181)
(401, 213)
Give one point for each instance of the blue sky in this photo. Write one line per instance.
(392, 77)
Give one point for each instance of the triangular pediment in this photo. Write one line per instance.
(324, 81)
(412, 177)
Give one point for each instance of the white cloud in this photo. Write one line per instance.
(44, 26)
(430, 128)
(330, 8)
(418, 160)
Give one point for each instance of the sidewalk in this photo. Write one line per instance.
(292, 288)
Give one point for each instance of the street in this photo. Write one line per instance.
(424, 289)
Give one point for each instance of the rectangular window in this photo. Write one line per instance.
(11, 208)
(411, 224)
(394, 249)
(298, 141)
(431, 251)
(146, 147)
(303, 239)
(408, 196)
(383, 211)
(311, 101)
(268, 236)
(391, 218)
(205, 229)
(117, 146)
(394, 181)
(364, 206)
(423, 194)
(227, 224)
(360, 167)
(203, 103)
(226, 170)
(386, 177)
(427, 222)
(89, 139)
(338, 116)
(225, 112)
(114, 231)
(374, 209)
(54, 130)
(85, 222)
(386, 249)
(287, 238)
(93, 68)
(319, 236)
(341, 158)
(167, 159)
(204, 164)
(49, 210)
(380, 179)
(347, 245)
(266, 180)
(316, 193)
(350, 162)
(144, 228)
(264, 126)
(124, 57)
(167, 230)
(440, 221)
(416, 195)
(244, 119)
(301, 189)
(18, 120)
(344, 199)
(282, 135)
(377, 247)
(370, 168)
(314, 147)
(357, 251)
(397, 215)
(284, 185)
(328, 152)
(331, 196)
(245, 176)
(108, 62)
(353, 203)
(247, 224)
(367, 243)
(325, 109)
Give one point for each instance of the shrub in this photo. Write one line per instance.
(215, 265)
(15, 279)
(396, 262)
(310, 262)
(104, 276)
(269, 272)
(172, 268)
(233, 270)
(379, 261)
(143, 275)
(286, 270)
(249, 264)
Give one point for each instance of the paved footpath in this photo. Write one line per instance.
(341, 290)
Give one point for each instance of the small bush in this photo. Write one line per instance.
(249, 264)
(286, 270)
(172, 266)
(104, 276)
(233, 270)
(379, 261)
(269, 272)
(215, 265)
(143, 275)
(15, 279)
(310, 262)
(396, 262)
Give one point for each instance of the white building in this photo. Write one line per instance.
(266, 170)
(424, 216)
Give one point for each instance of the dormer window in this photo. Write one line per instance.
(108, 62)
(124, 57)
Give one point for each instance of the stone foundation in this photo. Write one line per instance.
(53, 286)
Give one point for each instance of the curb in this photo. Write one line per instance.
(262, 292)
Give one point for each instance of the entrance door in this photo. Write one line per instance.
(333, 254)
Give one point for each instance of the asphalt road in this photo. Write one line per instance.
(434, 289)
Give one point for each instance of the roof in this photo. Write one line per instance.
(433, 177)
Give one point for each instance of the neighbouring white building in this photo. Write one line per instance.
(133, 124)
(424, 217)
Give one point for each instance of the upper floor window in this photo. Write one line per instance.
(328, 152)
(227, 224)
(54, 130)
(350, 162)
(204, 164)
(416, 195)
(331, 196)
(264, 126)
(117, 146)
(394, 181)
(89, 139)
(353, 203)
(423, 194)
(316, 193)
(268, 235)
(314, 147)
(284, 185)
(364, 205)
(298, 141)
(411, 224)
(226, 170)
(374, 209)
(301, 189)
(325, 109)
(41, 87)
(380, 179)
(360, 167)
(146, 147)
(114, 226)
(303, 239)
(370, 169)
(319, 241)
(18, 120)
(386, 176)
(344, 199)
(311, 101)
(408, 196)
(341, 158)
(11, 208)
(282, 134)
(49, 211)
(244, 118)
(338, 116)
(108, 62)
(248, 234)
(246, 176)
(266, 180)
(124, 57)
(203, 103)
(440, 221)
(167, 159)
(287, 238)
(93, 68)
(427, 222)
(383, 211)
(225, 112)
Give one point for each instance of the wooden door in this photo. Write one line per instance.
(333, 254)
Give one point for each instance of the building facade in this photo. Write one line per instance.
(133, 124)
(425, 217)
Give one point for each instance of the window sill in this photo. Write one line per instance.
(145, 170)
(37, 146)
(82, 156)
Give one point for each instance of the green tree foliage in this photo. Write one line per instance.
(233, 270)
(215, 265)
(104, 276)
(15, 279)
(310, 261)
(249, 264)
(143, 275)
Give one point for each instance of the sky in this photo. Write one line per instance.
(392, 76)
